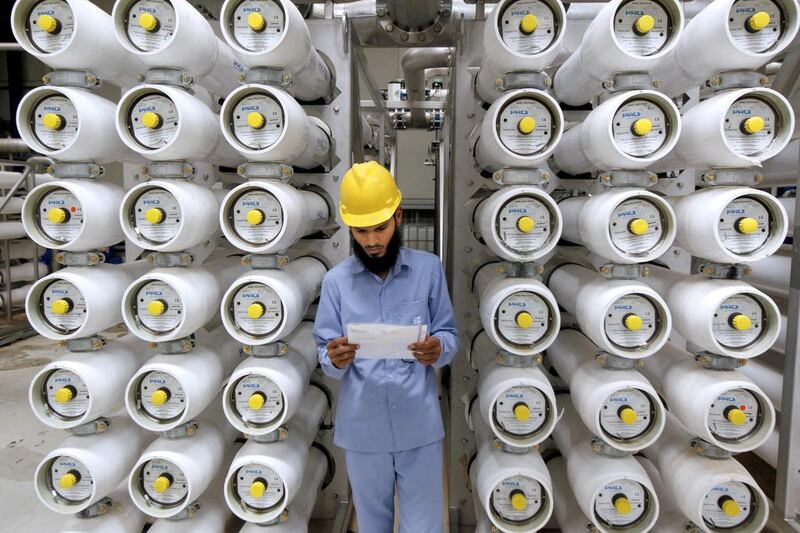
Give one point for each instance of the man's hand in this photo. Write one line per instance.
(341, 353)
(428, 351)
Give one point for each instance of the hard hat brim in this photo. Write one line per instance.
(370, 219)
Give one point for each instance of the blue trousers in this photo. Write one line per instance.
(417, 475)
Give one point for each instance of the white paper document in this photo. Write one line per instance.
(385, 341)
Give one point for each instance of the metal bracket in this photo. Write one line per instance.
(169, 169)
(95, 427)
(192, 510)
(169, 76)
(610, 361)
(720, 363)
(273, 76)
(96, 509)
(400, 118)
(745, 177)
(265, 171)
(80, 258)
(706, 449)
(82, 170)
(169, 259)
(630, 81)
(620, 271)
(186, 429)
(524, 80)
(521, 176)
(724, 270)
(434, 119)
(505, 358)
(521, 270)
(273, 349)
(601, 448)
(85, 344)
(282, 433)
(736, 79)
(628, 178)
(82, 79)
(265, 261)
(178, 346)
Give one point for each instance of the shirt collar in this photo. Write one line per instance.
(403, 260)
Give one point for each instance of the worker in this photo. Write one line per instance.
(388, 419)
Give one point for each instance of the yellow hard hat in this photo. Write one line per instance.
(368, 195)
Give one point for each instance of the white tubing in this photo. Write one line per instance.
(284, 215)
(503, 222)
(284, 43)
(502, 389)
(768, 378)
(701, 399)
(86, 131)
(93, 295)
(14, 205)
(280, 381)
(184, 38)
(281, 297)
(8, 179)
(506, 48)
(88, 218)
(606, 224)
(567, 513)
(187, 129)
(502, 144)
(591, 298)
(520, 315)
(187, 214)
(11, 230)
(771, 274)
(18, 296)
(187, 383)
(606, 139)
(697, 483)
(22, 272)
(709, 45)
(281, 464)
(283, 132)
(609, 47)
(84, 42)
(599, 395)
(102, 461)
(123, 517)
(703, 311)
(707, 224)
(190, 297)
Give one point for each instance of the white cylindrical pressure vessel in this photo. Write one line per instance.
(73, 215)
(520, 36)
(520, 130)
(268, 216)
(568, 515)
(77, 302)
(18, 296)
(22, 272)
(625, 225)
(11, 230)
(782, 169)
(263, 393)
(70, 124)
(670, 517)
(264, 478)
(631, 130)
(768, 378)
(726, 317)
(264, 123)
(75, 35)
(623, 317)
(263, 306)
(14, 205)
(614, 492)
(172, 33)
(8, 179)
(169, 390)
(520, 315)
(79, 387)
(730, 224)
(769, 450)
(514, 490)
(771, 274)
(724, 408)
(213, 517)
(122, 517)
(169, 215)
(518, 404)
(619, 406)
(625, 36)
(84, 469)
(519, 223)
(164, 123)
(273, 33)
(728, 35)
(170, 303)
(715, 494)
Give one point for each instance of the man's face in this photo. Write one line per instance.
(375, 239)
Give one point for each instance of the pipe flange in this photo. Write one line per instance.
(407, 36)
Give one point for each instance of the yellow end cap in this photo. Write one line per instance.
(148, 22)
(524, 320)
(156, 308)
(633, 322)
(256, 401)
(60, 307)
(736, 417)
(526, 125)
(151, 120)
(161, 484)
(638, 226)
(63, 395)
(256, 21)
(644, 24)
(526, 224)
(255, 310)
(642, 127)
(730, 507)
(52, 121)
(68, 480)
(747, 225)
(741, 322)
(628, 416)
(159, 397)
(256, 120)
(154, 215)
(57, 215)
(519, 502)
(522, 412)
(528, 24)
(257, 489)
(753, 125)
(758, 21)
(255, 217)
(622, 505)
(50, 24)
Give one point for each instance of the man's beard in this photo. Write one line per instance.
(379, 265)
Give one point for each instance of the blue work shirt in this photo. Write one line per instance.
(386, 405)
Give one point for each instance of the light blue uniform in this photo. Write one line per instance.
(388, 418)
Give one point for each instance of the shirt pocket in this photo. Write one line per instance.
(411, 312)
